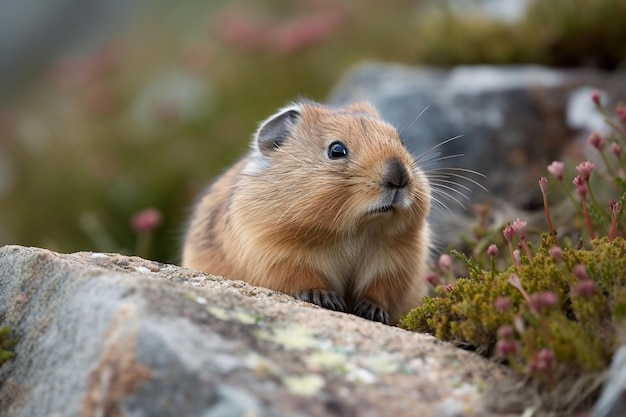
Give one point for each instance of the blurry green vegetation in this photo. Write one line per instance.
(150, 118)
(560, 33)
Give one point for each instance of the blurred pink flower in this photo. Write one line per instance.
(620, 111)
(519, 227)
(616, 149)
(242, 29)
(580, 272)
(302, 32)
(584, 288)
(147, 220)
(79, 72)
(596, 140)
(543, 184)
(584, 169)
(445, 262)
(508, 233)
(596, 96)
(556, 169)
(502, 303)
(556, 253)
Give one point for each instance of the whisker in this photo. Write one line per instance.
(439, 180)
(429, 157)
(447, 195)
(470, 171)
(466, 178)
(447, 187)
(432, 161)
(438, 145)
(440, 203)
(415, 119)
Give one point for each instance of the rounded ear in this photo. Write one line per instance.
(274, 131)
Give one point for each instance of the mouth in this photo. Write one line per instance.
(380, 210)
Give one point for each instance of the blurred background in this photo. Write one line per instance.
(115, 114)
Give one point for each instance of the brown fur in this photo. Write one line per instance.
(292, 219)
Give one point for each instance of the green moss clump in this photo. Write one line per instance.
(7, 343)
(564, 320)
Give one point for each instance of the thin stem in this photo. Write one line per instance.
(608, 166)
(517, 265)
(142, 245)
(527, 250)
(548, 218)
(569, 194)
(588, 219)
(595, 202)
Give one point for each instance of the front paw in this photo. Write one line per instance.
(327, 299)
(364, 307)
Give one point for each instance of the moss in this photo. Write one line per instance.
(7, 343)
(465, 312)
(578, 329)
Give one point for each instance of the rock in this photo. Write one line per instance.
(612, 401)
(110, 335)
(514, 121)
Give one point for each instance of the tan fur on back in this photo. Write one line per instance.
(299, 220)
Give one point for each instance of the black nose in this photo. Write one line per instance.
(396, 175)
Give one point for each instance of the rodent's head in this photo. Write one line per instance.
(336, 169)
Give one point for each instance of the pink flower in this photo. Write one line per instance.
(505, 332)
(596, 140)
(595, 97)
(542, 361)
(543, 300)
(502, 303)
(445, 262)
(517, 255)
(546, 355)
(506, 347)
(543, 184)
(556, 253)
(584, 169)
(620, 111)
(556, 169)
(520, 228)
(492, 250)
(614, 206)
(580, 272)
(581, 187)
(147, 220)
(433, 279)
(616, 149)
(508, 233)
(515, 281)
(585, 288)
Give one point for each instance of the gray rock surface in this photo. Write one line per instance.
(110, 335)
(612, 402)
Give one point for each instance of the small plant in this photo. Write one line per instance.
(557, 313)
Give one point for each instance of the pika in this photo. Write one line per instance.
(328, 206)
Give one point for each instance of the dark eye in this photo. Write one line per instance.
(337, 150)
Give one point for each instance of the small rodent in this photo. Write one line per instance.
(328, 206)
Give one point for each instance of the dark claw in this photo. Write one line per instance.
(364, 307)
(327, 299)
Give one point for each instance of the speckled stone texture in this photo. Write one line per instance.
(110, 335)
